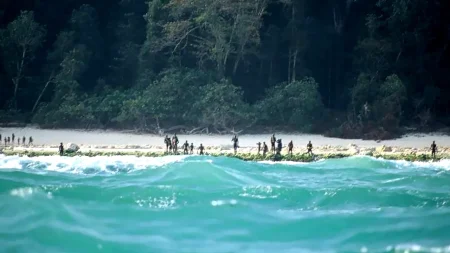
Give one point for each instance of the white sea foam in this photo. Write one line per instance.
(282, 162)
(22, 192)
(442, 164)
(231, 202)
(417, 248)
(86, 165)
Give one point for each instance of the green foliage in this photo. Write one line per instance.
(392, 95)
(297, 104)
(170, 98)
(18, 44)
(151, 65)
(221, 105)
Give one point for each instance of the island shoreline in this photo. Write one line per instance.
(107, 143)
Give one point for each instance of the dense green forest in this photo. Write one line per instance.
(346, 68)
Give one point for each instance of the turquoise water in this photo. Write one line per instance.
(204, 204)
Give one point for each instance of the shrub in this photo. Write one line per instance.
(297, 104)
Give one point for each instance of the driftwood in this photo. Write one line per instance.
(199, 130)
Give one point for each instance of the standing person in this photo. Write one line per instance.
(309, 147)
(167, 142)
(0, 137)
(61, 149)
(235, 141)
(433, 150)
(259, 147)
(23, 140)
(279, 147)
(13, 138)
(201, 148)
(192, 148)
(272, 143)
(175, 143)
(5, 141)
(30, 140)
(290, 146)
(9, 140)
(186, 146)
(18, 141)
(265, 149)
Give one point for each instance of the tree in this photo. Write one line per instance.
(296, 104)
(222, 106)
(168, 100)
(391, 96)
(295, 34)
(211, 31)
(19, 42)
(128, 36)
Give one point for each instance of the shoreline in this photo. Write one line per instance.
(107, 143)
(248, 154)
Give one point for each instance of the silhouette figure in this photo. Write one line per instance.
(259, 147)
(235, 141)
(265, 149)
(201, 148)
(272, 143)
(186, 146)
(192, 148)
(290, 147)
(175, 143)
(279, 147)
(309, 147)
(61, 149)
(167, 142)
(433, 150)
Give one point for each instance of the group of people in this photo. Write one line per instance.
(11, 140)
(276, 146)
(188, 149)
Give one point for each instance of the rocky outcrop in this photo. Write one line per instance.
(72, 147)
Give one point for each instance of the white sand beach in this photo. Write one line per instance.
(104, 140)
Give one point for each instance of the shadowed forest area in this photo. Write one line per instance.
(369, 69)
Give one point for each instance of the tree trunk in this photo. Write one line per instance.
(18, 77)
(289, 65)
(50, 80)
(239, 56)
(230, 41)
(330, 63)
(260, 13)
(294, 65)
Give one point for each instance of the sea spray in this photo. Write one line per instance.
(221, 204)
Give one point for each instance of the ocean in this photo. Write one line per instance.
(196, 204)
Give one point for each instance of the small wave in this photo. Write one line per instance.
(231, 202)
(22, 192)
(282, 162)
(158, 203)
(406, 248)
(26, 192)
(87, 165)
